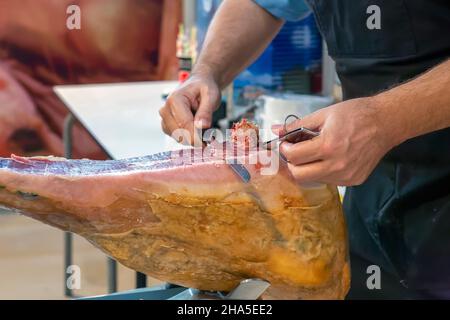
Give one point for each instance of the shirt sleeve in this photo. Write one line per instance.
(290, 10)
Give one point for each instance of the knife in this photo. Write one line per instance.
(241, 171)
(294, 136)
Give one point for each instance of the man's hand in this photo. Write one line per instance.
(356, 134)
(238, 34)
(191, 106)
(353, 140)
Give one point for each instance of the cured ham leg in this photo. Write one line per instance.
(192, 224)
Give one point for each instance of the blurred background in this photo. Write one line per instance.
(152, 42)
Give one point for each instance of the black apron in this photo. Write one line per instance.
(399, 218)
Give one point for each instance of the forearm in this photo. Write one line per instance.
(239, 32)
(417, 107)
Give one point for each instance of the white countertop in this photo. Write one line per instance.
(122, 117)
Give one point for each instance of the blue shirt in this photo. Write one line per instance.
(290, 10)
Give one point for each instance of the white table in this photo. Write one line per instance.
(123, 118)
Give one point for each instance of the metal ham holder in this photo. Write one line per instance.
(248, 289)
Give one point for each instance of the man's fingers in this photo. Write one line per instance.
(182, 114)
(180, 108)
(323, 171)
(208, 103)
(170, 127)
(312, 172)
(168, 123)
(189, 109)
(313, 121)
(302, 152)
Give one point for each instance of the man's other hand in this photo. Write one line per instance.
(191, 106)
(354, 137)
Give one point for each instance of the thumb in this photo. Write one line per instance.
(312, 121)
(209, 101)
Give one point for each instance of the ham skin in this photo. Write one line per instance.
(193, 224)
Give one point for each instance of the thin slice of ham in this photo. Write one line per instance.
(192, 223)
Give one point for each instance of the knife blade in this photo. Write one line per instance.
(241, 171)
(294, 136)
